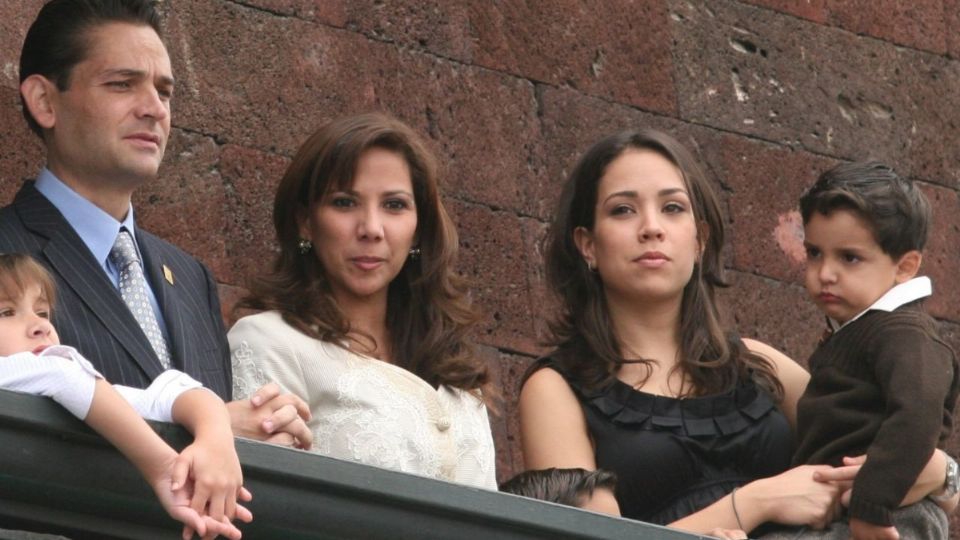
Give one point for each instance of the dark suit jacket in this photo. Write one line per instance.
(90, 314)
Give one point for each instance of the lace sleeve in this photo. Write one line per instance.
(264, 349)
(247, 375)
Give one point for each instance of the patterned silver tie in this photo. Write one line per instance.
(133, 289)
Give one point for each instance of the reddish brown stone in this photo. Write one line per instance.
(250, 178)
(773, 312)
(229, 296)
(332, 12)
(508, 370)
(15, 19)
(620, 53)
(754, 71)
(482, 123)
(545, 305)
(766, 182)
(185, 204)
(917, 23)
(572, 122)
(493, 259)
(951, 12)
(609, 57)
(814, 10)
(21, 152)
(941, 258)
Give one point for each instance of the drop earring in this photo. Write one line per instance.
(304, 246)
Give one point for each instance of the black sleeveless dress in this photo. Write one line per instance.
(673, 457)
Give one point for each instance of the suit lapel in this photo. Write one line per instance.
(74, 264)
(167, 295)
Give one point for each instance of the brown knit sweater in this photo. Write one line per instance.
(884, 385)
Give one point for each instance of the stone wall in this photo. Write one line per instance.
(767, 92)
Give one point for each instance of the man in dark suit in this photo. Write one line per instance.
(96, 85)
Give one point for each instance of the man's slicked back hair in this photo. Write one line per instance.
(58, 38)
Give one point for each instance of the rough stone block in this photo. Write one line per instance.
(766, 182)
(941, 258)
(561, 42)
(814, 10)
(250, 179)
(15, 19)
(620, 53)
(773, 312)
(754, 71)
(507, 371)
(951, 12)
(21, 152)
(229, 296)
(185, 204)
(573, 122)
(493, 259)
(305, 74)
(544, 304)
(919, 23)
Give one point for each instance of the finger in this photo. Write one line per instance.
(178, 476)
(230, 504)
(855, 460)
(190, 519)
(281, 417)
(187, 533)
(244, 495)
(201, 496)
(837, 474)
(215, 507)
(227, 529)
(281, 438)
(265, 393)
(243, 514)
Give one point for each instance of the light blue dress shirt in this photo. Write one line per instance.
(96, 228)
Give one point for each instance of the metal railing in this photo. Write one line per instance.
(58, 476)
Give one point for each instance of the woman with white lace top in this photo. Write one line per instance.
(362, 314)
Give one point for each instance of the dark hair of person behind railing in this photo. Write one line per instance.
(18, 271)
(570, 487)
(428, 312)
(712, 358)
(897, 212)
(58, 39)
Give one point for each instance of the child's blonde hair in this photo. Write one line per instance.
(18, 271)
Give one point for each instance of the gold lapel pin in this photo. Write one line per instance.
(168, 274)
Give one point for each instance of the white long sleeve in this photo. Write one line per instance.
(62, 374)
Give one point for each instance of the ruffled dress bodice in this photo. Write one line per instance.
(673, 456)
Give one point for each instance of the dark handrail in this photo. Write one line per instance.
(58, 476)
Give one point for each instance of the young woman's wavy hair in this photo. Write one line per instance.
(587, 347)
(428, 311)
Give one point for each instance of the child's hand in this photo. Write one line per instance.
(174, 491)
(861, 530)
(211, 465)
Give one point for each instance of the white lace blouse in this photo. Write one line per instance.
(364, 409)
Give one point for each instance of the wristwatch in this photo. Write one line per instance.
(951, 484)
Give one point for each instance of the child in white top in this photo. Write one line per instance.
(198, 487)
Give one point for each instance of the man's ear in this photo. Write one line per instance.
(583, 238)
(39, 96)
(908, 266)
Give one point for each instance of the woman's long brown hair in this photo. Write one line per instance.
(711, 358)
(428, 312)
